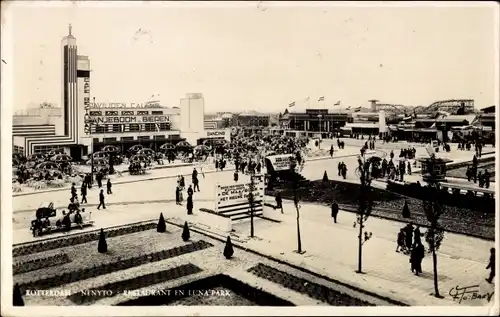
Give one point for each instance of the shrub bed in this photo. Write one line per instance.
(41, 263)
(303, 286)
(252, 294)
(83, 274)
(116, 288)
(459, 200)
(62, 242)
(477, 223)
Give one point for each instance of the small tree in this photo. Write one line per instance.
(364, 211)
(185, 232)
(296, 201)
(435, 234)
(325, 177)
(406, 210)
(228, 249)
(161, 227)
(102, 247)
(17, 299)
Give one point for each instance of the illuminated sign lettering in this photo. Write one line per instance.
(150, 104)
(130, 119)
(216, 133)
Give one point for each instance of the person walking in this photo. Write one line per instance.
(491, 266)
(73, 190)
(178, 195)
(417, 236)
(190, 190)
(101, 200)
(189, 205)
(108, 186)
(99, 180)
(409, 236)
(196, 184)
(401, 241)
(416, 257)
(335, 211)
(279, 202)
(83, 191)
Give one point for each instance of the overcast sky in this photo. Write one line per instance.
(249, 57)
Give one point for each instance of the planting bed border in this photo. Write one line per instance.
(303, 286)
(135, 283)
(258, 296)
(61, 242)
(83, 274)
(41, 263)
(297, 267)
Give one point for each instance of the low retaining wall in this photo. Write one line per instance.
(215, 220)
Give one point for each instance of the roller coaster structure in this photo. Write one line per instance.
(451, 106)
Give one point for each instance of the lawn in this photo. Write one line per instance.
(479, 223)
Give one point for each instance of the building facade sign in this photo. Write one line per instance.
(86, 104)
(130, 119)
(101, 105)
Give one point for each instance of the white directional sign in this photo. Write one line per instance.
(281, 162)
(237, 193)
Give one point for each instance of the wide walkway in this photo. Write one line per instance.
(332, 250)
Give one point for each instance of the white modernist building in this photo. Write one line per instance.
(83, 125)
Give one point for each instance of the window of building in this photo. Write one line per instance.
(151, 127)
(143, 137)
(95, 140)
(142, 113)
(127, 113)
(128, 138)
(116, 128)
(156, 112)
(45, 149)
(100, 129)
(133, 127)
(109, 140)
(18, 149)
(111, 113)
(159, 137)
(164, 126)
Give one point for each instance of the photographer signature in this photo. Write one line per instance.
(469, 293)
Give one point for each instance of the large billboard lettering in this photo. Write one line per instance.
(130, 119)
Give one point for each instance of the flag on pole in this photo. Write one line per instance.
(322, 98)
(291, 104)
(337, 103)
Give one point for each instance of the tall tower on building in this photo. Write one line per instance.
(69, 85)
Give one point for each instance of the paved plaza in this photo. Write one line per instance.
(461, 260)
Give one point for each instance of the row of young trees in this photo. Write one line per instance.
(432, 207)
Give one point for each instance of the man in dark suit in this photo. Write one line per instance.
(491, 266)
(101, 200)
(335, 211)
(83, 191)
(189, 204)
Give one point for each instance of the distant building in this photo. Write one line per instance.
(313, 121)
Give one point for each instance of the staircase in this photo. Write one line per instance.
(240, 213)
